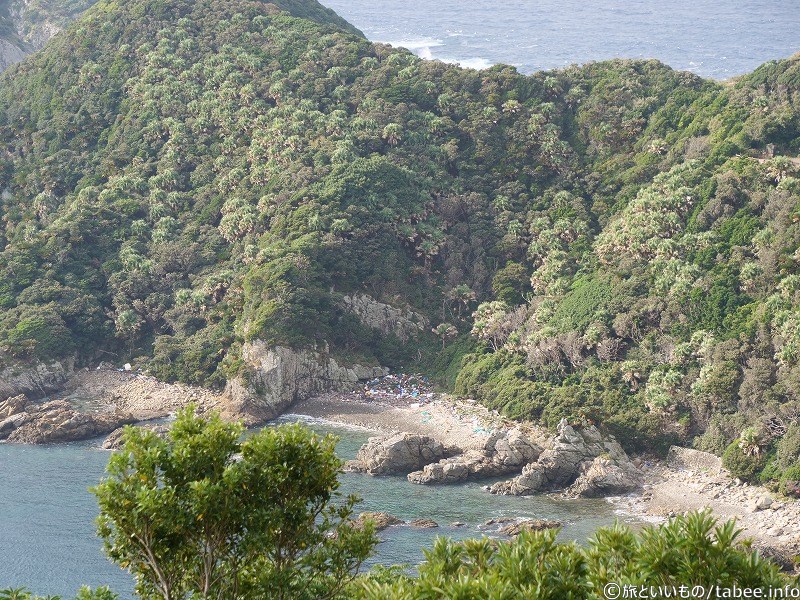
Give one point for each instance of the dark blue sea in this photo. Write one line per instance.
(713, 38)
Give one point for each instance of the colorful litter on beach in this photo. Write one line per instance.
(413, 387)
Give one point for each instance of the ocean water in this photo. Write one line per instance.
(47, 534)
(713, 38)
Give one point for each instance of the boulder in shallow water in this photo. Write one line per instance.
(398, 454)
(114, 439)
(507, 451)
(382, 520)
(453, 470)
(423, 523)
(514, 529)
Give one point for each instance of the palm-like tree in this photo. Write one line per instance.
(463, 296)
(391, 133)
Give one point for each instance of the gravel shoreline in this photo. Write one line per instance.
(142, 396)
(668, 489)
(461, 423)
(770, 521)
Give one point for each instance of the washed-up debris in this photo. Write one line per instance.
(414, 389)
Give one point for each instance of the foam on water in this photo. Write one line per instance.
(713, 38)
(428, 49)
(322, 423)
(469, 63)
(413, 45)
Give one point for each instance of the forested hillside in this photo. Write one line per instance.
(616, 242)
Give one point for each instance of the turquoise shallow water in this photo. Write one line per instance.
(47, 540)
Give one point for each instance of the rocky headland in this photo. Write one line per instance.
(576, 461)
(580, 460)
(51, 402)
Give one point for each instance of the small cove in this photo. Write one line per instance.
(47, 515)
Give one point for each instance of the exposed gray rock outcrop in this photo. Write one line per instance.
(275, 377)
(592, 463)
(28, 422)
(34, 380)
(470, 465)
(506, 451)
(604, 477)
(423, 523)
(517, 527)
(694, 460)
(397, 454)
(402, 322)
(27, 25)
(10, 54)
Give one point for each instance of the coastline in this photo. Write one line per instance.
(770, 521)
(668, 489)
(142, 396)
(453, 422)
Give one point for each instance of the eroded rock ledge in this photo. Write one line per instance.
(579, 460)
(398, 454)
(506, 451)
(28, 422)
(33, 380)
(582, 461)
(115, 439)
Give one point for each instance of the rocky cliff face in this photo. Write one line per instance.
(276, 377)
(10, 53)
(34, 380)
(401, 322)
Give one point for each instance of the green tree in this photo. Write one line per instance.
(203, 514)
(692, 550)
(445, 332)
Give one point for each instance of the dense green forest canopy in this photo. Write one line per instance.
(617, 241)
